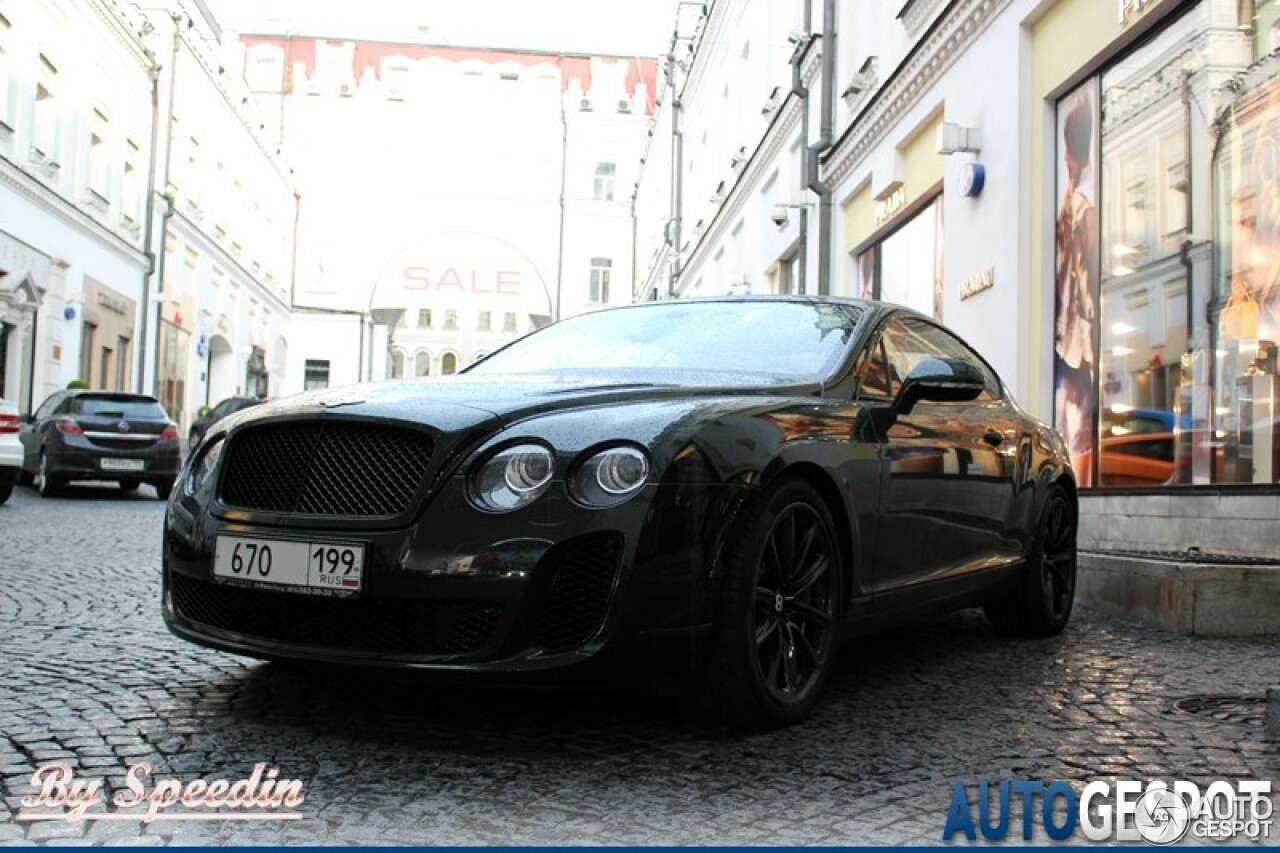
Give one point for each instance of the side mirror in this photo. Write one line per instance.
(942, 380)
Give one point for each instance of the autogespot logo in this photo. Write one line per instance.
(1129, 810)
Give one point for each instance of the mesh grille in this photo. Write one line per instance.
(388, 625)
(316, 468)
(579, 594)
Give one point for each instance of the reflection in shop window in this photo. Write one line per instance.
(1247, 285)
(906, 266)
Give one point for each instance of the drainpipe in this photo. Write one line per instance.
(677, 192)
(148, 223)
(825, 141)
(564, 165)
(802, 92)
(168, 208)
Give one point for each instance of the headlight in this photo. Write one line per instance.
(513, 477)
(610, 476)
(203, 468)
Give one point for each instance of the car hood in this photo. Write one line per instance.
(465, 400)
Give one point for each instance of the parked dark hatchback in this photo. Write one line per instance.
(99, 435)
(708, 493)
(229, 406)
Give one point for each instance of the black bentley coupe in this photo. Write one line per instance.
(714, 492)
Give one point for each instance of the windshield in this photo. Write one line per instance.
(117, 407)
(793, 340)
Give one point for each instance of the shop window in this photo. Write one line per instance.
(484, 321)
(905, 267)
(1165, 369)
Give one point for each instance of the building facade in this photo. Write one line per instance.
(455, 198)
(1081, 189)
(145, 225)
(75, 142)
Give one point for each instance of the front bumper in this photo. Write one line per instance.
(552, 592)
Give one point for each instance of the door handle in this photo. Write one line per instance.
(993, 438)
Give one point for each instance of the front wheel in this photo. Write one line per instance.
(775, 630)
(1040, 605)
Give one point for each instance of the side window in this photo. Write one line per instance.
(47, 407)
(873, 373)
(908, 341)
(222, 409)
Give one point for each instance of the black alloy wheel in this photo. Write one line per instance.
(775, 637)
(1040, 605)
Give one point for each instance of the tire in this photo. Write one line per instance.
(128, 485)
(775, 624)
(25, 478)
(163, 488)
(1040, 605)
(8, 477)
(49, 485)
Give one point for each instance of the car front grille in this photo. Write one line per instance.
(578, 597)
(337, 468)
(404, 626)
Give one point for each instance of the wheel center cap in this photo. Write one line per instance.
(777, 602)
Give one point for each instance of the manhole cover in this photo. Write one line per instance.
(1242, 710)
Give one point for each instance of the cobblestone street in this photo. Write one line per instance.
(90, 676)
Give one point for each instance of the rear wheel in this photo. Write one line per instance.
(774, 636)
(1040, 605)
(49, 485)
(25, 477)
(8, 476)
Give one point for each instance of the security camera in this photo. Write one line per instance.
(796, 36)
(780, 215)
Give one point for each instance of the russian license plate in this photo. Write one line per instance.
(122, 464)
(332, 566)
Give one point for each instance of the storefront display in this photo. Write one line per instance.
(1165, 370)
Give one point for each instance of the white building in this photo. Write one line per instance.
(145, 222)
(75, 142)
(227, 207)
(479, 192)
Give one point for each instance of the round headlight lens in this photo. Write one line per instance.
(610, 476)
(204, 467)
(512, 478)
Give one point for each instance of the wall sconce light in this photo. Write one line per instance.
(953, 138)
